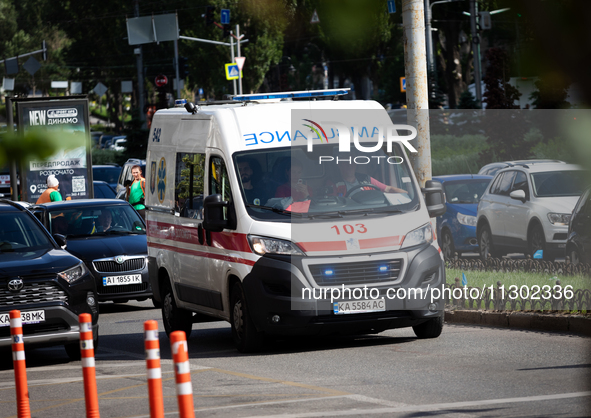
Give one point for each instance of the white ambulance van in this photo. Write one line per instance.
(286, 214)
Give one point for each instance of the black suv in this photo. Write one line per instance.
(48, 285)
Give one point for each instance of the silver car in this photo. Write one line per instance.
(527, 208)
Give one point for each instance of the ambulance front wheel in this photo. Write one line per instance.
(173, 317)
(429, 329)
(245, 335)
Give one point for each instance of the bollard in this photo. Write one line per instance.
(88, 369)
(20, 367)
(152, 346)
(182, 371)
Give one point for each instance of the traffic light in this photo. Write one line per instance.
(209, 15)
(226, 31)
(183, 68)
(485, 21)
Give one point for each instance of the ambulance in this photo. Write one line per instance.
(290, 214)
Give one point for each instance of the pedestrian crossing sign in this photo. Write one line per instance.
(232, 71)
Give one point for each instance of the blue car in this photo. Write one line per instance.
(456, 229)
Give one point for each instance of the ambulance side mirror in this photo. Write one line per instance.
(213, 213)
(434, 198)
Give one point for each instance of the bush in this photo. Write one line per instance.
(107, 156)
(456, 154)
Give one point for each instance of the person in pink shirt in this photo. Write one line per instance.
(351, 179)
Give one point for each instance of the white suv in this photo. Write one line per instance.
(527, 208)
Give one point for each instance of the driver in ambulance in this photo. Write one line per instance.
(350, 179)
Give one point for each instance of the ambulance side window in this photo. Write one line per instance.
(219, 182)
(188, 187)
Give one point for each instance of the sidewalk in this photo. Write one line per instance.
(579, 324)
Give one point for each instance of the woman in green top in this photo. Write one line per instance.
(137, 191)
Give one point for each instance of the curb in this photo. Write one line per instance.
(578, 324)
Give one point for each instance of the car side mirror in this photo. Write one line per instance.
(60, 239)
(213, 216)
(434, 198)
(517, 195)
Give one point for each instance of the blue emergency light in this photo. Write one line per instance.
(291, 95)
(328, 272)
(383, 269)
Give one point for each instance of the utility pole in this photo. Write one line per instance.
(238, 48)
(476, 51)
(417, 92)
(232, 51)
(140, 73)
(176, 68)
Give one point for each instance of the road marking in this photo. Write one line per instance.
(321, 398)
(432, 407)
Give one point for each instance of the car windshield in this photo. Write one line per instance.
(325, 182)
(96, 220)
(20, 233)
(558, 183)
(107, 174)
(465, 191)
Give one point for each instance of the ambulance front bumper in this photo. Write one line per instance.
(280, 305)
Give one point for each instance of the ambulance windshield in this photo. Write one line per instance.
(325, 183)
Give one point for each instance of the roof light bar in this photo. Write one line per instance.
(291, 94)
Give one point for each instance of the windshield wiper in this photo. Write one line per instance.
(276, 210)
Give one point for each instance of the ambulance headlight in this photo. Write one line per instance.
(422, 235)
(263, 245)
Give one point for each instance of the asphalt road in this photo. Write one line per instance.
(467, 371)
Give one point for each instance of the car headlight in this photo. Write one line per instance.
(421, 235)
(262, 246)
(466, 219)
(73, 274)
(559, 218)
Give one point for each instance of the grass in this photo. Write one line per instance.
(485, 279)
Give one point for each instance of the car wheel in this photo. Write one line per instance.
(485, 243)
(537, 241)
(73, 349)
(173, 317)
(429, 329)
(447, 245)
(575, 257)
(244, 333)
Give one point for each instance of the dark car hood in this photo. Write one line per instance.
(91, 248)
(36, 262)
(464, 208)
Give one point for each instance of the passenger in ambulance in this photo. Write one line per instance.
(351, 179)
(295, 186)
(249, 170)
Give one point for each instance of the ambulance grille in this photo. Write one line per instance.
(356, 273)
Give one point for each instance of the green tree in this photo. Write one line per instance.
(551, 93)
(499, 93)
(467, 101)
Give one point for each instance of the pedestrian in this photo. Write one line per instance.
(50, 194)
(137, 192)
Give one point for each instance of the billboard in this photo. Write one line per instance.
(72, 166)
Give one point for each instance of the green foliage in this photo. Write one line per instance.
(456, 154)
(552, 92)
(499, 93)
(555, 148)
(467, 101)
(35, 144)
(106, 156)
